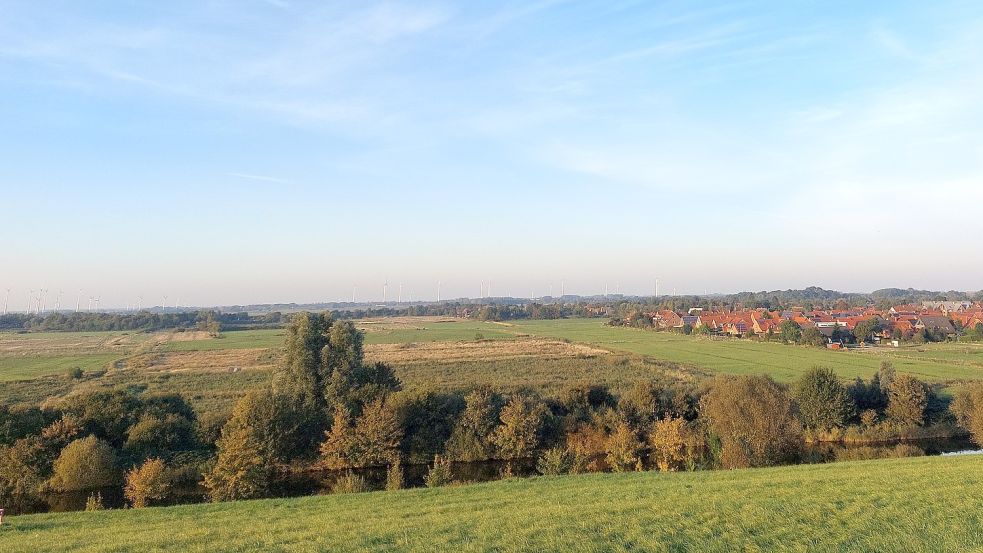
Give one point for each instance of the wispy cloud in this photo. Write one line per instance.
(262, 178)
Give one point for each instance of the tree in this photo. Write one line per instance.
(623, 449)
(107, 414)
(240, 472)
(755, 420)
(23, 469)
(85, 464)
(554, 462)
(790, 332)
(378, 433)
(518, 435)
(470, 439)
(967, 407)
(147, 483)
(813, 337)
(339, 446)
(907, 400)
(866, 328)
(303, 375)
(668, 441)
(823, 401)
(153, 436)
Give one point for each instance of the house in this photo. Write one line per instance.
(935, 323)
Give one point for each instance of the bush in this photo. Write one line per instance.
(755, 420)
(94, 502)
(147, 483)
(439, 473)
(350, 483)
(554, 462)
(624, 449)
(668, 441)
(394, 476)
(823, 401)
(85, 464)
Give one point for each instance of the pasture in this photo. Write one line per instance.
(914, 504)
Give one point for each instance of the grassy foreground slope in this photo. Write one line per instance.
(915, 504)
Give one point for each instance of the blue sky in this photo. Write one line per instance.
(257, 151)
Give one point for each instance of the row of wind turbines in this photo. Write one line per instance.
(37, 302)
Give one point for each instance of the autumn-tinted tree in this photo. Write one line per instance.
(754, 418)
(241, 470)
(823, 400)
(85, 464)
(668, 441)
(623, 449)
(967, 407)
(147, 483)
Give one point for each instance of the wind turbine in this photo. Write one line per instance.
(30, 295)
(438, 291)
(58, 302)
(385, 291)
(6, 298)
(139, 303)
(78, 300)
(163, 304)
(399, 298)
(353, 292)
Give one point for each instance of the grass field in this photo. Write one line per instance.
(934, 362)
(915, 504)
(445, 353)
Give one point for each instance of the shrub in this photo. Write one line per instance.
(554, 462)
(439, 473)
(350, 483)
(519, 434)
(755, 420)
(624, 449)
(907, 400)
(85, 464)
(147, 483)
(668, 441)
(94, 502)
(240, 471)
(823, 401)
(394, 476)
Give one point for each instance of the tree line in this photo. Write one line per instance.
(326, 408)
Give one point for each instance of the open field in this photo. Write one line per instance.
(933, 362)
(444, 352)
(915, 504)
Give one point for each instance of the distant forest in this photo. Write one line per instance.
(493, 309)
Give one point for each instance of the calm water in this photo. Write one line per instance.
(320, 483)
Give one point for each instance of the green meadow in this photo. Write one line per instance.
(914, 504)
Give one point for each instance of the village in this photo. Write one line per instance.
(929, 321)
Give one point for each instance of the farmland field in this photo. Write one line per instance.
(915, 504)
(411, 343)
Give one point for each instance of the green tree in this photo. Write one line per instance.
(85, 464)
(907, 400)
(470, 439)
(755, 420)
(378, 433)
(240, 472)
(791, 332)
(518, 435)
(823, 400)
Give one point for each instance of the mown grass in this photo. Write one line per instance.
(936, 362)
(33, 366)
(915, 504)
(427, 330)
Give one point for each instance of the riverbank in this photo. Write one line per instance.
(890, 505)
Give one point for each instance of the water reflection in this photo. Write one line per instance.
(321, 482)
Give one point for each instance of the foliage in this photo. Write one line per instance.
(822, 400)
(85, 464)
(555, 461)
(240, 471)
(147, 483)
(394, 476)
(469, 441)
(624, 449)
(440, 473)
(907, 400)
(755, 419)
(94, 502)
(668, 439)
(522, 421)
(350, 483)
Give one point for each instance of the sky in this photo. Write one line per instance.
(219, 152)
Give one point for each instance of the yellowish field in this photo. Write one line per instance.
(451, 352)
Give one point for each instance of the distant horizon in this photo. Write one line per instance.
(84, 306)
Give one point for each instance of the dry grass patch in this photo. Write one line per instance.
(222, 360)
(487, 350)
